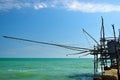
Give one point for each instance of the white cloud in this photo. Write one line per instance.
(72, 5)
(40, 6)
(12, 4)
(91, 7)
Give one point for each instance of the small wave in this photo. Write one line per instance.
(14, 70)
(99, 70)
(26, 70)
(20, 70)
(86, 76)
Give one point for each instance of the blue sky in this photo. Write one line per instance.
(54, 21)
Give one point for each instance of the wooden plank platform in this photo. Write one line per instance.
(108, 75)
(111, 73)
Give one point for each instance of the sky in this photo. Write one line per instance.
(54, 21)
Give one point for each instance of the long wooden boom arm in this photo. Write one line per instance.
(59, 45)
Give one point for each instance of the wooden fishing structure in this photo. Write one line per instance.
(106, 52)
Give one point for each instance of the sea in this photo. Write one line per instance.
(46, 69)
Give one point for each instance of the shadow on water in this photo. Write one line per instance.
(84, 76)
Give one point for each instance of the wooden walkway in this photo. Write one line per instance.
(108, 75)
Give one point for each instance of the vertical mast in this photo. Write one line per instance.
(114, 32)
(119, 36)
(102, 51)
(118, 60)
(103, 33)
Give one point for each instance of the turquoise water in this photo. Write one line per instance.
(46, 69)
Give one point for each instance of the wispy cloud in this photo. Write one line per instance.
(40, 5)
(91, 7)
(72, 5)
(12, 4)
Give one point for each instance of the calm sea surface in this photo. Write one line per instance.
(46, 69)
